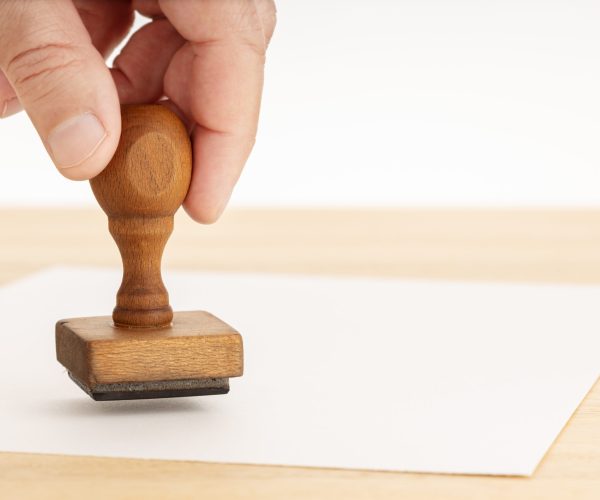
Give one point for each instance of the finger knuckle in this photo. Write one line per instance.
(250, 24)
(268, 19)
(257, 34)
(255, 42)
(35, 68)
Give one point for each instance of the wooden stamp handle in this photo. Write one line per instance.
(140, 190)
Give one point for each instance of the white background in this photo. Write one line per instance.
(426, 102)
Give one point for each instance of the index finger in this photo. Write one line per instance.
(216, 80)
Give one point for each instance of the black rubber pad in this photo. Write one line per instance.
(155, 389)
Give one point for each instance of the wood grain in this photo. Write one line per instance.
(140, 190)
(196, 345)
(560, 246)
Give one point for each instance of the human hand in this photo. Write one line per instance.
(206, 57)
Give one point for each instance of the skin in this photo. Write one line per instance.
(202, 58)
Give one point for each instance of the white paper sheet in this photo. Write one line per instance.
(339, 372)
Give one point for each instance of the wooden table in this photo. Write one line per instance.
(534, 246)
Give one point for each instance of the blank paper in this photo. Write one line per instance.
(339, 372)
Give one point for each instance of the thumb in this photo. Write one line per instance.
(62, 82)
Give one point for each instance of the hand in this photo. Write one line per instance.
(206, 57)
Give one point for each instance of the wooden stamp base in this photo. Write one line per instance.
(195, 355)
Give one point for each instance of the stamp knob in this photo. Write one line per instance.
(140, 190)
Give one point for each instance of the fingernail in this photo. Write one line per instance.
(223, 205)
(75, 140)
(11, 107)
